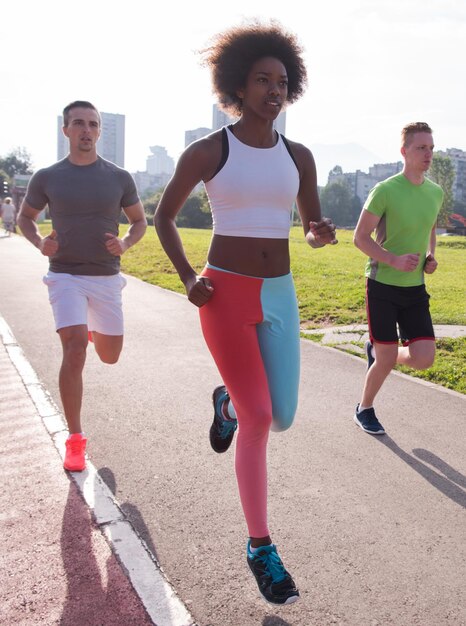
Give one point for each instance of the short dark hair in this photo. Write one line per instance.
(411, 129)
(74, 105)
(234, 51)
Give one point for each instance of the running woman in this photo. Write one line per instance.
(403, 212)
(245, 294)
(85, 195)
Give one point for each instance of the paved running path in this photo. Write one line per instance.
(56, 566)
(373, 529)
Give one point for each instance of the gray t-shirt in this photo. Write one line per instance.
(85, 202)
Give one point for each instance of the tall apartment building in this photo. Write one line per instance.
(159, 169)
(195, 134)
(458, 158)
(360, 183)
(111, 144)
(159, 162)
(219, 119)
(377, 173)
(280, 123)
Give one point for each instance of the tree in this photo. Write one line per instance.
(336, 171)
(442, 172)
(339, 204)
(195, 212)
(5, 183)
(459, 207)
(18, 161)
(151, 203)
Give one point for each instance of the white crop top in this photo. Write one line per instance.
(252, 195)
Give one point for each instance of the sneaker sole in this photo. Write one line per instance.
(369, 432)
(290, 600)
(74, 469)
(213, 430)
(370, 359)
(212, 433)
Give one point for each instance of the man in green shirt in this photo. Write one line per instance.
(402, 211)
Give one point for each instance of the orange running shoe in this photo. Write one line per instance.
(74, 455)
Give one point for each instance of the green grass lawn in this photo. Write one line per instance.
(330, 285)
(329, 281)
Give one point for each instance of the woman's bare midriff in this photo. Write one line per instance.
(253, 256)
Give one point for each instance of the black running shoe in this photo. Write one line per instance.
(370, 358)
(274, 582)
(367, 420)
(222, 430)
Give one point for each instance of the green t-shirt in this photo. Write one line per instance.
(408, 213)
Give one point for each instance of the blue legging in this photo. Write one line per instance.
(251, 326)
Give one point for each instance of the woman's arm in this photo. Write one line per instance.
(198, 162)
(431, 262)
(318, 231)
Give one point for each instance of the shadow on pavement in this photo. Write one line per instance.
(446, 483)
(273, 620)
(131, 512)
(97, 590)
(441, 466)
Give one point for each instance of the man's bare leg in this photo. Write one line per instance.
(74, 341)
(108, 347)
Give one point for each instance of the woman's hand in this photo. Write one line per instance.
(199, 290)
(321, 233)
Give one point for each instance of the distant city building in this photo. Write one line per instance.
(18, 190)
(159, 169)
(111, 144)
(220, 118)
(280, 123)
(159, 162)
(146, 182)
(194, 135)
(62, 141)
(458, 158)
(360, 183)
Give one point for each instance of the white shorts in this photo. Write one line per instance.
(91, 300)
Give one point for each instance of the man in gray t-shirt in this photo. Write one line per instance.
(85, 195)
(85, 203)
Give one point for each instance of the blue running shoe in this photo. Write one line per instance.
(367, 420)
(274, 582)
(222, 430)
(370, 358)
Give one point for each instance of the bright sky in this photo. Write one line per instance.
(373, 66)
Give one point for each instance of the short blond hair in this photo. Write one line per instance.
(411, 129)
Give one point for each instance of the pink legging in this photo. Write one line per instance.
(251, 326)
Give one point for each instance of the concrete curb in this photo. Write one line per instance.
(359, 332)
(144, 572)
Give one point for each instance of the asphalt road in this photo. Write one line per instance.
(372, 528)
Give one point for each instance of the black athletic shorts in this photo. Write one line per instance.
(389, 306)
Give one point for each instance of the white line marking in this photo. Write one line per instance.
(155, 592)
